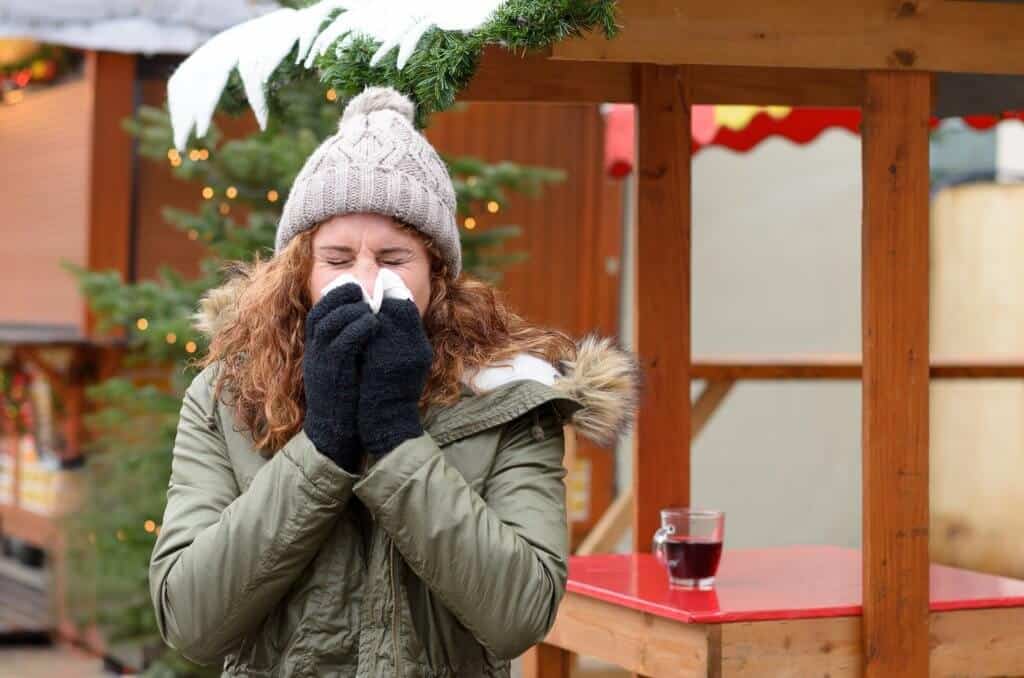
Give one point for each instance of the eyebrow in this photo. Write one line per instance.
(343, 249)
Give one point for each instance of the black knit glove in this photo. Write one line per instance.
(394, 374)
(337, 330)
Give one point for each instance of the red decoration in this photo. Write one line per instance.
(620, 126)
(801, 126)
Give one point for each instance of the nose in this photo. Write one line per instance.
(365, 271)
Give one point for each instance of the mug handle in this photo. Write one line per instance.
(658, 542)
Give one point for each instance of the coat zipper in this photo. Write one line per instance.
(394, 604)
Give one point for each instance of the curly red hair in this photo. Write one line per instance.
(261, 342)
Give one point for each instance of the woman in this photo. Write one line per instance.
(361, 493)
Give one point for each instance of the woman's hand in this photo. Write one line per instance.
(338, 328)
(394, 374)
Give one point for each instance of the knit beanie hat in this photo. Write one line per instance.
(376, 162)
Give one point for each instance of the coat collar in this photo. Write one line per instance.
(476, 412)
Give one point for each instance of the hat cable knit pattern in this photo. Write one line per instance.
(376, 162)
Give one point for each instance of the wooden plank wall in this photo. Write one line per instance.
(44, 142)
(572, 231)
(156, 241)
(572, 234)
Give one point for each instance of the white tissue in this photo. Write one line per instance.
(388, 285)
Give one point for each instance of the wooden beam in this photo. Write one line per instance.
(610, 528)
(661, 463)
(506, 76)
(965, 643)
(978, 642)
(710, 399)
(981, 37)
(895, 378)
(798, 647)
(842, 367)
(111, 78)
(36, 529)
(983, 643)
(546, 661)
(636, 641)
(746, 85)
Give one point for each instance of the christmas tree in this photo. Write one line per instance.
(244, 184)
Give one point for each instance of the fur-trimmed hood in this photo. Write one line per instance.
(603, 378)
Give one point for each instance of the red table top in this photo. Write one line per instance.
(797, 582)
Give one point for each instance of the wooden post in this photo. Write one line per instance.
(661, 461)
(546, 661)
(895, 373)
(111, 78)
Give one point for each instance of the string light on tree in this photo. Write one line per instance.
(207, 192)
(171, 337)
(142, 324)
(193, 234)
(231, 193)
(190, 347)
(272, 195)
(194, 155)
(150, 526)
(120, 535)
(331, 95)
(470, 223)
(224, 208)
(493, 207)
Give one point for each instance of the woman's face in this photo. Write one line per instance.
(362, 244)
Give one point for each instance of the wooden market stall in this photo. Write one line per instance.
(894, 60)
(68, 164)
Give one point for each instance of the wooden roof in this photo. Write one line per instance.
(982, 36)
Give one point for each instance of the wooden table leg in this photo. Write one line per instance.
(546, 661)
(895, 376)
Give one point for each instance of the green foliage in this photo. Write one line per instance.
(134, 423)
(444, 61)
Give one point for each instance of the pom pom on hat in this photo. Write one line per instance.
(374, 99)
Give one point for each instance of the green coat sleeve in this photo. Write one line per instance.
(223, 558)
(496, 560)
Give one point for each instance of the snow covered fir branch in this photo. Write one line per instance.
(428, 50)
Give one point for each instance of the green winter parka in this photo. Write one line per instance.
(445, 558)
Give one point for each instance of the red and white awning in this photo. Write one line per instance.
(741, 128)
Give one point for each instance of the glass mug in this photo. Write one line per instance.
(689, 545)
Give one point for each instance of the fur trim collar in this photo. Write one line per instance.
(603, 378)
